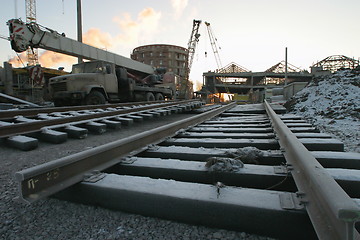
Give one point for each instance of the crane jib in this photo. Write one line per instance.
(24, 35)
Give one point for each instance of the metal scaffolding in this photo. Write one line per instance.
(280, 68)
(336, 62)
(32, 54)
(233, 68)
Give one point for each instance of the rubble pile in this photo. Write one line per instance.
(332, 104)
(222, 164)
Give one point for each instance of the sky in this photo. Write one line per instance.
(251, 33)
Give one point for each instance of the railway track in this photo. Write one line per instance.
(23, 129)
(242, 167)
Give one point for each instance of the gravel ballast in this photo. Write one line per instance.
(54, 219)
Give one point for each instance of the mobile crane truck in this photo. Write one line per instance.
(106, 77)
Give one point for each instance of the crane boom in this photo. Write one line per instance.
(194, 39)
(213, 45)
(24, 35)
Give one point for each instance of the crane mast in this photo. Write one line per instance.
(215, 49)
(32, 54)
(194, 39)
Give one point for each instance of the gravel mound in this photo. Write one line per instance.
(332, 104)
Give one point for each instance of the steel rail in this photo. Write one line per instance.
(332, 212)
(46, 179)
(37, 125)
(34, 111)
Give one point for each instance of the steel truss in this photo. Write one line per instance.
(336, 62)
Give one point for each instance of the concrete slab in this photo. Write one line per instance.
(95, 127)
(312, 135)
(329, 159)
(312, 144)
(3, 123)
(135, 118)
(269, 157)
(294, 121)
(155, 113)
(234, 121)
(76, 132)
(165, 112)
(225, 135)
(240, 209)
(304, 129)
(322, 144)
(224, 125)
(265, 144)
(53, 136)
(174, 110)
(22, 119)
(22, 142)
(111, 124)
(326, 159)
(146, 116)
(290, 117)
(125, 121)
(249, 176)
(296, 125)
(231, 130)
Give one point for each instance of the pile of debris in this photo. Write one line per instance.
(332, 104)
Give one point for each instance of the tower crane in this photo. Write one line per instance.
(32, 54)
(193, 41)
(214, 47)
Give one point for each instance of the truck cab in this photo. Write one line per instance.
(89, 83)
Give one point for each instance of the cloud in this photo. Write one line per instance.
(144, 27)
(47, 59)
(52, 59)
(95, 37)
(179, 6)
(19, 60)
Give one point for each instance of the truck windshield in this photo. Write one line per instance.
(88, 67)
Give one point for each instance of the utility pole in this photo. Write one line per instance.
(286, 68)
(79, 26)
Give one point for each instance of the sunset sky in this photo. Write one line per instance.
(251, 33)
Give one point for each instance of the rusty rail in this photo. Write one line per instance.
(37, 125)
(332, 212)
(46, 179)
(34, 111)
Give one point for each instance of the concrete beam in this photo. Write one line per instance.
(240, 209)
(22, 142)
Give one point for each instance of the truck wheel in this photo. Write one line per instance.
(159, 97)
(95, 98)
(150, 97)
(58, 103)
